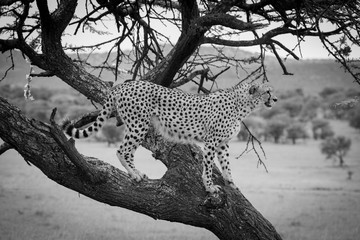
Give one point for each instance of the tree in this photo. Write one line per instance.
(293, 106)
(336, 148)
(276, 126)
(310, 109)
(275, 129)
(354, 118)
(328, 91)
(295, 131)
(321, 129)
(38, 29)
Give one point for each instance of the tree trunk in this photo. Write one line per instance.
(178, 196)
(341, 161)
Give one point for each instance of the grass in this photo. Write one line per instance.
(304, 196)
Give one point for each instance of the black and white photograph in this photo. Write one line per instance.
(179, 119)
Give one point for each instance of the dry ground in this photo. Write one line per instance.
(304, 196)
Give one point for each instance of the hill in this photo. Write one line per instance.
(311, 75)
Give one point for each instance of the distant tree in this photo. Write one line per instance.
(298, 92)
(275, 111)
(276, 126)
(275, 129)
(327, 91)
(336, 148)
(296, 131)
(354, 118)
(310, 109)
(326, 132)
(321, 129)
(293, 106)
(344, 104)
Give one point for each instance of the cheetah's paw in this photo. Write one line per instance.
(213, 188)
(137, 175)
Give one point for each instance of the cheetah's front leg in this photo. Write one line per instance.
(208, 162)
(223, 157)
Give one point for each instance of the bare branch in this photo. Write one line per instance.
(286, 49)
(189, 78)
(9, 68)
(251, 139)
(280, 60)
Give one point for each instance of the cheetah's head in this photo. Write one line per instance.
(262, 94)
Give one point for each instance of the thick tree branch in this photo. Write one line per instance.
(10, 44)
(9, 2)
(226, 20)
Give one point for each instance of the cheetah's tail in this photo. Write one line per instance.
(69, 128)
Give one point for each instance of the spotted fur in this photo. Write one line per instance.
(213, 119)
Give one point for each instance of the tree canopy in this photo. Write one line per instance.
(140, 47)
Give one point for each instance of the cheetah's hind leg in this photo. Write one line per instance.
(125, 155)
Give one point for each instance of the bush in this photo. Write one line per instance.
(336, 148)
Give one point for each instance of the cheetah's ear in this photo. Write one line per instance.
(253, 89)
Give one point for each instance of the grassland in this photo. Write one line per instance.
(303, 195)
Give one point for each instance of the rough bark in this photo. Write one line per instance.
(178, 196)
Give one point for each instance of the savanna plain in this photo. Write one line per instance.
(303, 195)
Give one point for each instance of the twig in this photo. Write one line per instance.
(10, 68)
(286, 49)
(251, 139)
(279, 60)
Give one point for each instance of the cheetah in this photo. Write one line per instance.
(182, 117)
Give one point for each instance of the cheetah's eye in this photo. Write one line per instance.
(253, 89)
